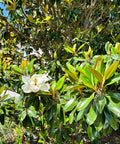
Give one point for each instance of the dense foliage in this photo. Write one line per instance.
(59, 76)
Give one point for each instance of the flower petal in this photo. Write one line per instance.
(41, 78)
(26, 88)
(35, 89)
(45, 87)
(25, 79)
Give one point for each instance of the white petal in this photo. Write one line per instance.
(12, 94)
(26, 88)
(41, 78)
(45, 87)
(35, 88)
(25, 79)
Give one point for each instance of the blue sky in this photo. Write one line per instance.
(4, 9)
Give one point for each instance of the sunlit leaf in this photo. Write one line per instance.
(10, 1)
(83, 103)
(116, 79)
(96, 74)
(70, 105)
(30, 66)
(17, 69)
(2, 89)
(110, 70)
(60, 83)
(48, 18)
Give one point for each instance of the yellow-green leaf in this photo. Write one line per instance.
(1, 89)
(46, 8)
(111, 70)
(24, 2)
(82, 46)
(48, 18)
(76, 87)
(10, 2)
(97, 62)
(31, 19)
(96, 74)
(72, 75)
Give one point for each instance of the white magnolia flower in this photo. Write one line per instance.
(35, 83)
(10, 94)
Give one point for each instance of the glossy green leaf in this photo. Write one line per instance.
(82, 46)
(114, 95)
(70, 105)
(96, 74)
(107, 46)
(2, 89)
(71, 116)
(60, 83)
(99, 123)
(116, 79)
(112, 121)
(114, 107)
(75, 87)
(70, 67)
(17, 69)
(110, 70)
(98, 62)
(32, 112)
(81, 114)
(100, 104)
(91, 116)
(83, 103)
(86, 81)
(72, 75)
(92, 133)
(53, 85)
(82, 71)
(31, 65)
(69, 49)
(23, 115)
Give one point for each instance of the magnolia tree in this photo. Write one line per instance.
(54, 86)
(85, 99)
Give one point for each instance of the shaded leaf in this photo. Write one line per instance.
(99, 123)
(92, 132)
(111, 119)
(114, 107)
(91, 116)
(100, 104)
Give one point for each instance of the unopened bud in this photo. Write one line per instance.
(55, 55)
